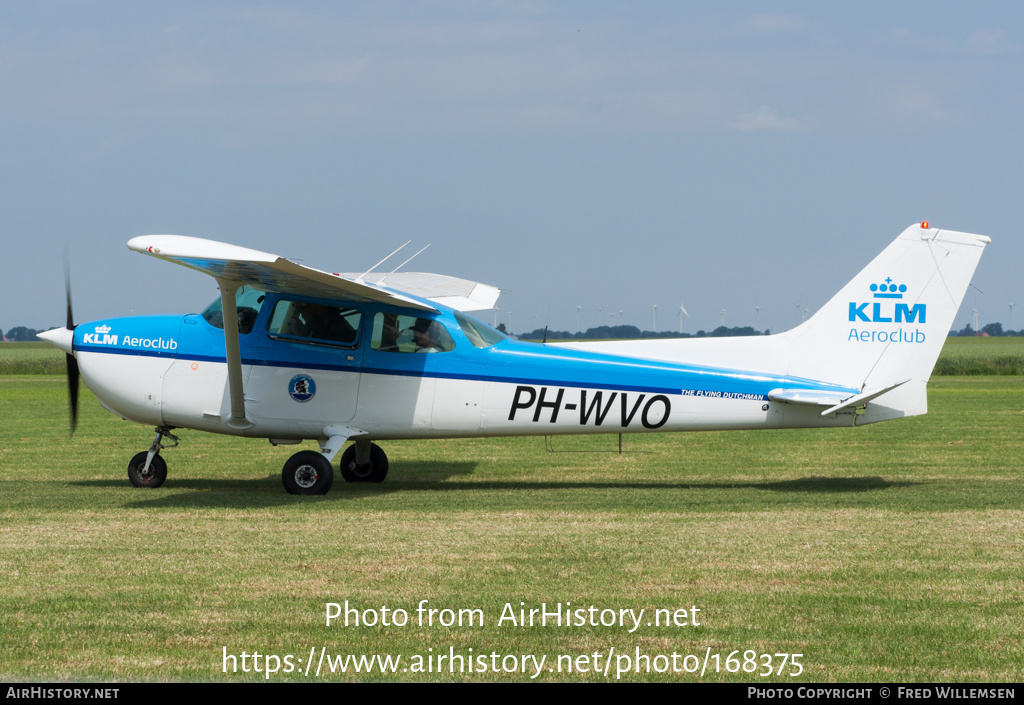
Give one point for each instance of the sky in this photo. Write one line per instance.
(742, 159)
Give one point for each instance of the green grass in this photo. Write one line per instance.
(887, 553)
(36, 358)
(981, 356)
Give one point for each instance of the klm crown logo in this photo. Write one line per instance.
(888, 290)
(882, 313)
(100, 337)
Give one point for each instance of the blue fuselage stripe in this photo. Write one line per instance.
(382, 371)
(511, 362)
(755, 390)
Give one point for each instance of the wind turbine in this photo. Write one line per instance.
(682, 312)
(1009, 322)
(722, 320)
(655, 318)
(757, 315)
(578, 309)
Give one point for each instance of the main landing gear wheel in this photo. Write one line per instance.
(307, 472)
(154, 477)
(374, 471)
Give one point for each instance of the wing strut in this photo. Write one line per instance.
(233, 353)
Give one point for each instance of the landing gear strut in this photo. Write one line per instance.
(148, 469)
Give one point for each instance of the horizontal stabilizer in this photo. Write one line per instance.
(814, 397)
(831, 399)
(863, 398)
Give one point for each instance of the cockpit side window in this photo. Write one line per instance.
(248, 301)
(393, 332)
(310, 322)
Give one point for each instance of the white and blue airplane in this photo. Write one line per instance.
(290, 353)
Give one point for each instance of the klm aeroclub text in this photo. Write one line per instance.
(887, 310)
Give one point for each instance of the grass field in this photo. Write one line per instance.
(981, 356)
(36, 358)
(887, 553)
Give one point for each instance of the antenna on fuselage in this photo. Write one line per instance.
(359, 279)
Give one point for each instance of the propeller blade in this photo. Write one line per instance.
(72, 365)
(71, 362)
(67, 289)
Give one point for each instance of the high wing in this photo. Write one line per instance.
(262, 270)
(268, 272)
(234, 266)
(460, 294)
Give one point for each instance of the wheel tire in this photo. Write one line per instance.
(157, 471)
(307, 472)
(376, 471)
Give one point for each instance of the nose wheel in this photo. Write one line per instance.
(148, 469)
(141, 476)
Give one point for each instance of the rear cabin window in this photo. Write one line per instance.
(307, 322)
(393, 332)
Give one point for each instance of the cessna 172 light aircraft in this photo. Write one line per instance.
(290, 353)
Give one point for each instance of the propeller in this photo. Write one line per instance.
(72, 363)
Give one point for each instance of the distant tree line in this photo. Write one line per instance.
(994, 330)
(20, 334)
(633, 333)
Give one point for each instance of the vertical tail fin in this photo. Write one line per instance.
(889, 323)
(881, 334)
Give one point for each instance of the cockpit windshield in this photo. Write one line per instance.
(480, 334)
(247, 300)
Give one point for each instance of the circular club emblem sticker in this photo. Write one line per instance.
(302, 388)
